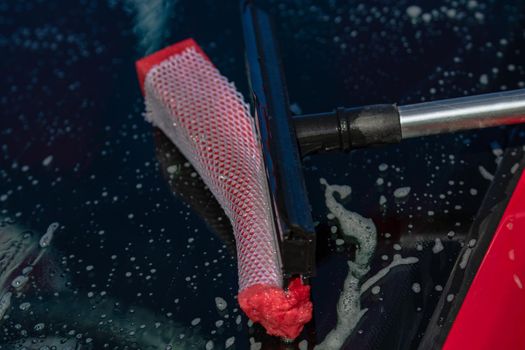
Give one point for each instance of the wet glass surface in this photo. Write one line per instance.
(142, 257)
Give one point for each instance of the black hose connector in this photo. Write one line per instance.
(348, 128)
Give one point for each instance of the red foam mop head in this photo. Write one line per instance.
(207, 119)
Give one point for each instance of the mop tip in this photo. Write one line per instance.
(281, 313)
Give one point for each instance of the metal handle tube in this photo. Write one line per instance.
(472, 112)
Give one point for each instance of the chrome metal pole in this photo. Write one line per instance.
(471, 112)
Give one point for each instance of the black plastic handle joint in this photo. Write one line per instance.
(348, 128)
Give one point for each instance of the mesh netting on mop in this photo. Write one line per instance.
(207, 119)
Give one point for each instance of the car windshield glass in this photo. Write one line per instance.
(109, 238)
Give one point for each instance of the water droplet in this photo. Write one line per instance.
(413, 11)
(19, 282)
(46, 239)
(47, 160)
(5, 302)
(402, 192)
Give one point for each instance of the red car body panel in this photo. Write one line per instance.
(492, 315)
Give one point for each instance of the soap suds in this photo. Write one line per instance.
(229, 342)
(47, 160)
(398, 261)
(401, 192)
(5, 303)
(414, 11)
(361, 229)
(364, 231)
(46, 239)
(303, 344)
(220, 303)
(438, 246)
(464, 258)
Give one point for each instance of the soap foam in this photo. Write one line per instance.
(363, 230)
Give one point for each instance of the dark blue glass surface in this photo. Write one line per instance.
(142, 252)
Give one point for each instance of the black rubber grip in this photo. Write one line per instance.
(348, 128)
(370, 125)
